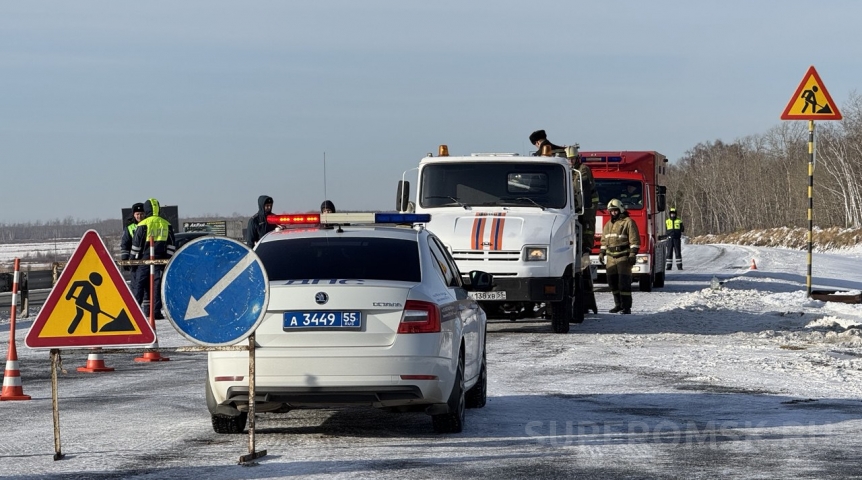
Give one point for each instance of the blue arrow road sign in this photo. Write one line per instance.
(215, 291)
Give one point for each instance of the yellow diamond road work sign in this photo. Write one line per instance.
(811, 101)
(90, 305)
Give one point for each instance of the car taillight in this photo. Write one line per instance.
(419, 317)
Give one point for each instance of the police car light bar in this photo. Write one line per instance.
(348, 218)
(294, 219)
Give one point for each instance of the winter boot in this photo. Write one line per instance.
(669, 266)
(627, 305)
(679, 266)
(617, 305)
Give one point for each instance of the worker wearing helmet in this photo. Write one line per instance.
(620, 245)
(591, 196)
(675, 229)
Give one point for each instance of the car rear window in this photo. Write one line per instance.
(342, 258)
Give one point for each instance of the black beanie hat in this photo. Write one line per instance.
(538, 135)
(138, 207)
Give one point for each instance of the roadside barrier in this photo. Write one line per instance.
(13, 389)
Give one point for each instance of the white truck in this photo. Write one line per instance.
(515, 217)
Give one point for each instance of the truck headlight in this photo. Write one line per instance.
(537, 254)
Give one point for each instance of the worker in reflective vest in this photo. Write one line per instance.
(675, 229)
(163, 238)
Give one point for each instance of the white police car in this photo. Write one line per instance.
(358, 315)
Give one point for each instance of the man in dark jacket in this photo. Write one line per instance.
(126, 241)
(129, 233)
(162, 232)
(539, 139)
(257, 225)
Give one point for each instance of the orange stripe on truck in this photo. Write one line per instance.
(477, 235)
(497, 231)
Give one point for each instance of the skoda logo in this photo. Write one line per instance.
(321, 298)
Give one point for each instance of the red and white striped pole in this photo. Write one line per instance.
(12, 387)
(152, 282)
(152, 355)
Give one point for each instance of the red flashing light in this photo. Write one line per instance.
(294, 219)
(420, 317)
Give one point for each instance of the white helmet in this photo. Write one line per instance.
(616, 204)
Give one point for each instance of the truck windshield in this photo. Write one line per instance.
(492, 184)
(630, 192)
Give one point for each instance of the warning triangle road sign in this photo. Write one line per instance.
(811, 101)
(90, 305)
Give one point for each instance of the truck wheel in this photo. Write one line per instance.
(659, 280)
(563, 311)
(582, 298)
(645, 282)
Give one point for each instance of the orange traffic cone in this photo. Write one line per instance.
(12, 387)
(95, 363)
(753, 265)
(151, 355)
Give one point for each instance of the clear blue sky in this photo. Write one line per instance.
(208, 104)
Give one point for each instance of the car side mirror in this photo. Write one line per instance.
(402, 196)
(481, 281)
(661, 198)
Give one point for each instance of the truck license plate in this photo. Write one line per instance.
(488, 295)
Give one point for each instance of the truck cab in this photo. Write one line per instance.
(514, 217)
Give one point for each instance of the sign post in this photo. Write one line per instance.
(216, 292)
(811, 102)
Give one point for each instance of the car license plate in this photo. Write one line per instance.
(298, 320)
(488, 295)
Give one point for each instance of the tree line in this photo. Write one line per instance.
(761, 181)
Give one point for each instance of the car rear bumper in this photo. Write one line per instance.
(269, 398)
(285, 382)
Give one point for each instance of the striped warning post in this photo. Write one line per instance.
(13, 389)
(152, 355)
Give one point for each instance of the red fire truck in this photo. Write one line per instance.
(638, 180)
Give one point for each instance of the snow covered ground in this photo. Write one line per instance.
(725, 372)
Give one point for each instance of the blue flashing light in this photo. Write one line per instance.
(402, 217)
